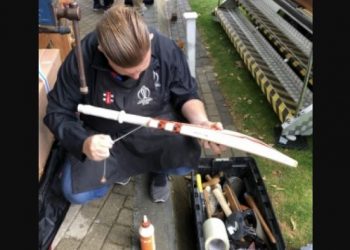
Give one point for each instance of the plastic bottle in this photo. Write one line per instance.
(146, 232)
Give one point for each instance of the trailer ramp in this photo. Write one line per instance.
(277, 79)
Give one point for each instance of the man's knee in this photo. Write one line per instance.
(178, 171)
(77, 198)
(82, 198)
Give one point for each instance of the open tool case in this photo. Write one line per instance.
(249, 182)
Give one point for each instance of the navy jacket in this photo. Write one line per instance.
(160, 92)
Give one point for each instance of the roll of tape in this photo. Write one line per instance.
(215, 235)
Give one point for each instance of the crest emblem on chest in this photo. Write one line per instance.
(144, 96)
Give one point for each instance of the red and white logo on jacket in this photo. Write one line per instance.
(108, 97)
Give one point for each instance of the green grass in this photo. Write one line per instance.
(290, 189)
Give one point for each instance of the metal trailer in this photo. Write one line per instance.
(279, 57)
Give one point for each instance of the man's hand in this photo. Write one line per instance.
(195, 113)
(215, 148)
(65, 2)
(96, 147)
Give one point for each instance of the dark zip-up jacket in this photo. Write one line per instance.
(160, 92)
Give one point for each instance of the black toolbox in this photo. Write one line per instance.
(246, 170)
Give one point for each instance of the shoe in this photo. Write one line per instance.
(173, 17)
(97, 7)
(106, 7)
(159, 188)
(123, 182)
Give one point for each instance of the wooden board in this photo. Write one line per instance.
(56, 41)
(49, 61)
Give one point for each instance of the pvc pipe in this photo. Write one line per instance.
(215, 235)
(190, 18)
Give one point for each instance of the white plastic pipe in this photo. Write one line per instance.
(190, 18)
(215, 235)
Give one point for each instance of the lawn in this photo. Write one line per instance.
(290, 189)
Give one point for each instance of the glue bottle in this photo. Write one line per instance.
(146, 232)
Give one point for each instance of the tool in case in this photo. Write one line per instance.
(232, 207)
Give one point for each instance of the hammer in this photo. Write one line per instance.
(252, 204)
(71, 11)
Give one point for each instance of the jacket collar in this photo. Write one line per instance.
(100, 61)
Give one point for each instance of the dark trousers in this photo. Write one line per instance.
(108, 2)
(105, 2)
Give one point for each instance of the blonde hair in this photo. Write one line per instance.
(123, 36)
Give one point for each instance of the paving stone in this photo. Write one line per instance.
(212, 110)
(69, 218)
(208, 99)
(95, 237)
(205, 88)
(99, 202)
(128, 189)
(79, 227)
(91, 209)
(201, 77)
(211, 76)
(125, 217)
(214, 118)
(83, 220)
(111, 246)
(120, 235)
(111, 209)
(129, 202)
(209, 68)
(68, 244)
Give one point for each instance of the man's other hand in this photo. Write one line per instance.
(96, 147)
(214, 147)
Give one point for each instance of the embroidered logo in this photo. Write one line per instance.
(144, 95)
(108, 97)
(156, 79)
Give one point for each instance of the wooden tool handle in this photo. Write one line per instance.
(222, 201)
(207, 203)
(208, 177)
(252, 204)
(211, 182)
(232, 199)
